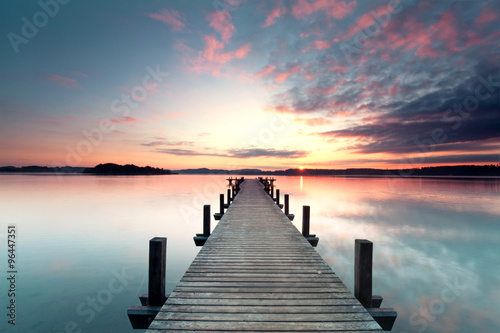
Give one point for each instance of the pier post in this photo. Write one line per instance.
(287, 200)
(363, 256)
(272, 190)
(142, 316)
(200, 239)
(306, 214)
(221, 203)
(157, 268)
(228, 197)
(206, 220)
(219, 215)
(363, 264)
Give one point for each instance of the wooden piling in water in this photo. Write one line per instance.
(200, 239)
(218, 216)
(287, 208)
(363, 256)
(306, 215)
(363, 265)
(228, 197)
(142, 316)
(206, 220)
(311, 238)
(157, 270)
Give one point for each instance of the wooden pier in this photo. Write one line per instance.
(258, 273)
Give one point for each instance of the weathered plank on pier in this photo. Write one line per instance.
(257, 273)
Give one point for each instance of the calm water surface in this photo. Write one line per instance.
(82, 244)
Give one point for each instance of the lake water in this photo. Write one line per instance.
(82, 244)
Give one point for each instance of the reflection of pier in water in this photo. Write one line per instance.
(257, 272)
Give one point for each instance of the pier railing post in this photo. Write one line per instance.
(157, 268)
(206, 220)
(219, 215)
(363, 256)
(228, 197)
(306, 216)
(278, 197)
(287, 202)
(221, 203)
(306, 213)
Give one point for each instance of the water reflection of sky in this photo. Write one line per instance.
(428, 234)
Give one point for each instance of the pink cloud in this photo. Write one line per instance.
(335, 8)
(338, 69)
(487, 15)
(266, 70)
(310, 76)
(395, 88)
(64, 82)
(125, 120)
(171, 17)
(275, 13)
(317, 45)
(280, 78)
(360, 79)
(323, 91)
(313, 121)
(213, 58)
(221, 22)
(424, 40)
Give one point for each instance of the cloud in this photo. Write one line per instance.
(163, 142)
(235, 153)
(334, 8)
(221, 22)
(313, 121)
(213, 59)
(265, 71)
(171, 17)
(261, 152)
(64, 82)
(125, 120)
(188, 152)
(283, 76)
(487, 16)
(273, 15)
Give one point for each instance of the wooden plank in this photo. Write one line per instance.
(258, 273)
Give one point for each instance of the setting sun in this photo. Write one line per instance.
(301, 168)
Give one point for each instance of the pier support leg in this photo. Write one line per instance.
(363, 262)
(141, 316)
(306, 213)
(228, 197)
(287, 208)
(200, 239)
(157, 267)
(218, 216)
(278, 198)
(363, 255)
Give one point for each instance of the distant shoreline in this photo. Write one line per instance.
(445, 172)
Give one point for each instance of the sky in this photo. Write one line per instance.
(238, 84)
